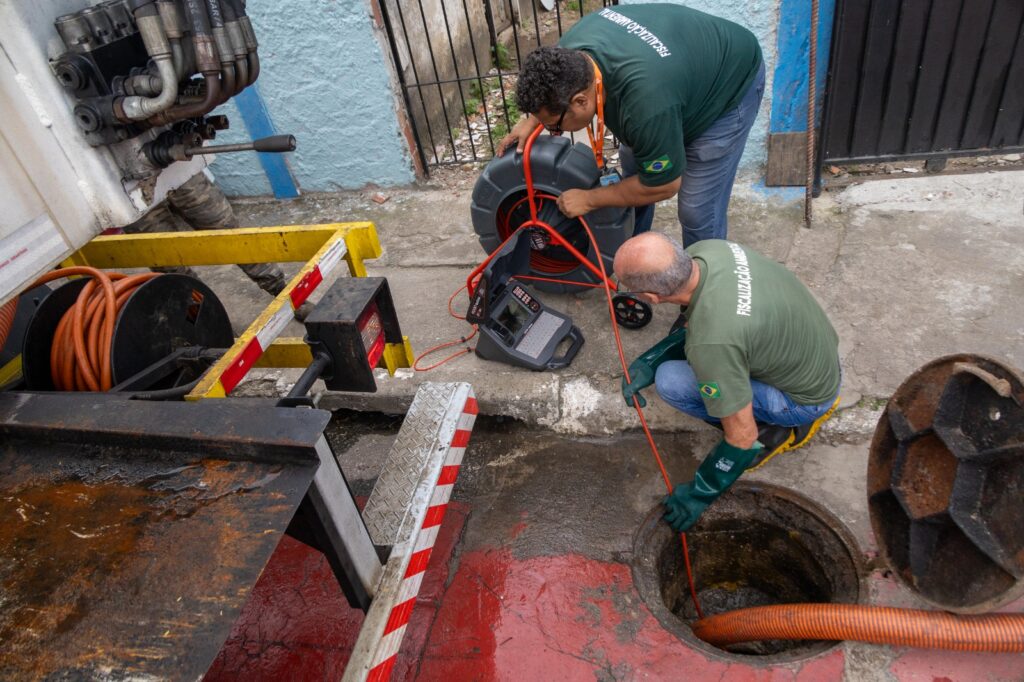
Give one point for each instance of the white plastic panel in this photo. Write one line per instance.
(56, 189)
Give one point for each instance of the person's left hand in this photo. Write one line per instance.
(574, 202)
(682, 508)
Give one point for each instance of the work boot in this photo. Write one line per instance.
(775, 439)
(804, 433)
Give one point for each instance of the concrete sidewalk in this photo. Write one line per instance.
(908, 270)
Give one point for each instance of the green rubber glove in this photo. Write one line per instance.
(719, 470)
(643, 369)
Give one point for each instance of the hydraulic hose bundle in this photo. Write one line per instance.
(138, 64)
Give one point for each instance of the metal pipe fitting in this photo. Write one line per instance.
(119, 16)
(144, 84)
(136, 108)
(76, 33)
(249, 36)
(207, 62)
(100, 24)
(174, 27)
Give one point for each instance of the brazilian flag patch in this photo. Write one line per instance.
(710, 390)
(660, 164)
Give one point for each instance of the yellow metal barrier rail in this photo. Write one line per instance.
(320, 247)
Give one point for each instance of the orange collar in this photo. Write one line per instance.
(595, 131)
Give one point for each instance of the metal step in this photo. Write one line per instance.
(405, 510)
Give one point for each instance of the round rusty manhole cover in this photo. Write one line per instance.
(946, 483)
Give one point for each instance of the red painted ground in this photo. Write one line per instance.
(563, 617)
(568, 618)
(297, 624)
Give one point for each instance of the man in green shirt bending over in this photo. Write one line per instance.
(679, 88)
(757, 357)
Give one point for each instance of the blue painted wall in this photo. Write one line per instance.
(325, 79)
(789, 111)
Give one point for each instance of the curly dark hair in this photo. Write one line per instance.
(550, 77)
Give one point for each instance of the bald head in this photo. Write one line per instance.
(652, 262)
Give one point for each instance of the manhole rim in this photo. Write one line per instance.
(647, 583)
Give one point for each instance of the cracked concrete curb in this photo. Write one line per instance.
(570, 405)
(878, 257)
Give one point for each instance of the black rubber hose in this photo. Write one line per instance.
(252, 57)
(216, 16)
(175, 393)
(198, 19)
(237, 46)
(208, 63)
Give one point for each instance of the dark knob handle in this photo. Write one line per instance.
(275, 143)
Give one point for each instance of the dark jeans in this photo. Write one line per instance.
(711, 163)
(203, 206)
(677, 385)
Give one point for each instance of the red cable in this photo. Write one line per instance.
(643, 421)
(528, 173)
(557, 281)
(605, 284)
(464, 339)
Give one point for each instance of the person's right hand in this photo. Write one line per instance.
(520, 131)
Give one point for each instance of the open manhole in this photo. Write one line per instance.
(757, 545)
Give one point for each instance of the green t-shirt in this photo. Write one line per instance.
(751, 318)
(669, 72)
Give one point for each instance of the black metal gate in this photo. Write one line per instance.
(457, 62)
(924, 79)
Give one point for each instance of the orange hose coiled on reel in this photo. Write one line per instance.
(7, 311)
(996, 632)
(80, 353)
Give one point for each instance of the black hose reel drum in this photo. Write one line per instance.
(163, 315)
(500, 206)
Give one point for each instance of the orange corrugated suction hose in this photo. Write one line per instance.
(7, 311)
(995, 632)
(80, 354)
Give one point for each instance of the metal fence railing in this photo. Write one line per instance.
(457, 64)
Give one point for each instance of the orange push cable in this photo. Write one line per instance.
(533, 195)
(999, 633)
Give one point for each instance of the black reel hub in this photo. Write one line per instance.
(631, 312)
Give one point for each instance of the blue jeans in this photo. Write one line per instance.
(711, 163)
(677, 386)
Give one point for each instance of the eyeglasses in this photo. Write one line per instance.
(557, 128)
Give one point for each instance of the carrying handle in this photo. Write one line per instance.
(577, 342)
(1000, 386)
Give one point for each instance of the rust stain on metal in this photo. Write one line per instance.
(925, 477)
(130, 565)
(945, 472)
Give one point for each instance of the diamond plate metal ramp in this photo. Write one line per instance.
(405, 510)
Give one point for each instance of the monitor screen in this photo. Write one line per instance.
(513, 316)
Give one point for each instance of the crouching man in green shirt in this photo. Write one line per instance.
(757, 357)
